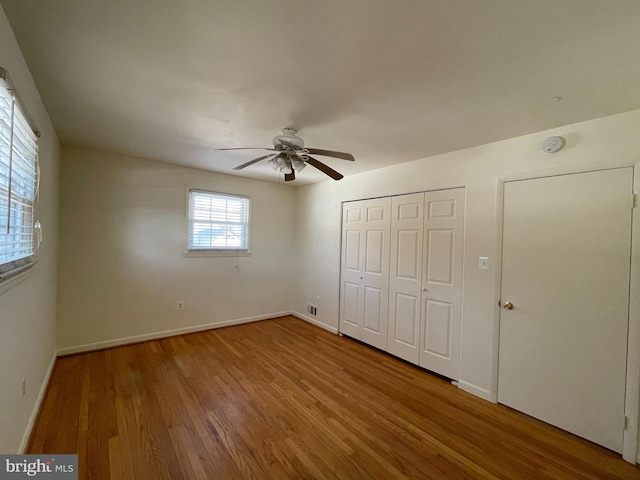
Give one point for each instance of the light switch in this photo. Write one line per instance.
(483, 263)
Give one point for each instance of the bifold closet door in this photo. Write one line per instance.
(443, 253)
(405, 282)
(365, 270)
(401, 289)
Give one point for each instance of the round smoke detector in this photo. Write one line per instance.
(552, 144)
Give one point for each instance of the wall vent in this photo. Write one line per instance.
(312, 310)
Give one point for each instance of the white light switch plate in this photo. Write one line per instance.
(483, 263)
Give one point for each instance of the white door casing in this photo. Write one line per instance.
(565, 268)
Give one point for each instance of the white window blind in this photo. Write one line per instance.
(218, 221)
(18, 184)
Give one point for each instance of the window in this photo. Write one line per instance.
(18, 184)
(218, 222)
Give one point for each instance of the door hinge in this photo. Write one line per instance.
(634, 200)
(626, 422)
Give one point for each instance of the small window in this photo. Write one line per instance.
(18, 184)
(218, 222)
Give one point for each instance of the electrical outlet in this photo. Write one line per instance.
(312, 310)
(24, 387)
(317, 300)
(180, 305)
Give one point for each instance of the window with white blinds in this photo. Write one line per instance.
(18, 184)
(218, 222)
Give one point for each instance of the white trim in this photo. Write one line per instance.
(630, 450)
(497, 288)
(15, 280)
(315, 322)
(475, 390)
(36, 407)
(89, 347)
(216, 253)
(570, 169)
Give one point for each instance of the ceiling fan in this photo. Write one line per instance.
(292, 156)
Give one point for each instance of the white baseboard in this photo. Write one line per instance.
(36, 407)
(477, 391)
(117, 342)
(315, 321)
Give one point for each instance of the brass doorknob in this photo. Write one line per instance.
(508, 306)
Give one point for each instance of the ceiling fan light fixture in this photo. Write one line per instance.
(279, 162)
(287, 169)
(298, 163)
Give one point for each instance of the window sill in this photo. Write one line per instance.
(216, 253)
(16, 278)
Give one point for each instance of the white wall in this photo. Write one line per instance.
(28, 308)
(123, 234)
(319, 223)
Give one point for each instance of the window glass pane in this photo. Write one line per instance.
(218, 221)
(18, 185)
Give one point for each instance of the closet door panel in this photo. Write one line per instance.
(351, 294)
(375, 281)
(405, 276)
(353, 216)
(442, 282)
(365, 271)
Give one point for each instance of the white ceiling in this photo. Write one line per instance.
(389, 81)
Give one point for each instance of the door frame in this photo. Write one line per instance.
(632, 383)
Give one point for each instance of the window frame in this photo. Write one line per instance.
(14, 271)
(215, 252)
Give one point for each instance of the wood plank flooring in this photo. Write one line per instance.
(283, 399)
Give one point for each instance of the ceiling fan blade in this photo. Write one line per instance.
(247, 148)
(331, 153)
(251, 162)
(324, 168)
(290, 176)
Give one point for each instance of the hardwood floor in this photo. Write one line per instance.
(281, 399)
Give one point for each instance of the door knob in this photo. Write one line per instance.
(508, 305)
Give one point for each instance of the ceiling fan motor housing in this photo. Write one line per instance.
(289, 136)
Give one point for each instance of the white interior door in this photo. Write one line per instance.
(405, 282)
(565, 271)
(365, 272)
(443, 253)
